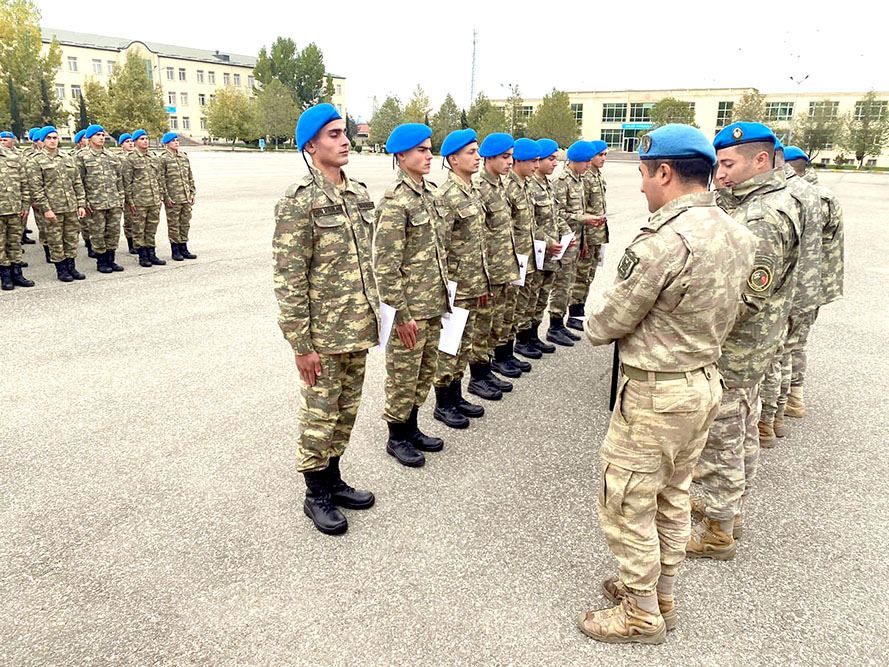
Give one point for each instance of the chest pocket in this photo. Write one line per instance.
(467, 212)
(328, 216)
(418, 216)
(366, 209)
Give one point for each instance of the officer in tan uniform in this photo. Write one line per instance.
(328, 308)
(674, 300)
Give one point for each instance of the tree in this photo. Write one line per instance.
(819, 129)
(417, 107)
(230, 116)
(868, 128)
(387, 117)
(97, 103)
(329, 90)
(133, 101)
(82, 116)
(554, 119)
(445, 121)
(479, 108)
(310, 76)
(301, 72)
(514, 105)
(751, 108)
(464, 121)
(494, 120)
(670, 110)
(15, 114)
(281, 64)
(276, 112)
(50, 106)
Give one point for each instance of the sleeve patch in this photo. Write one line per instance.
(627, 263)
(760, 278)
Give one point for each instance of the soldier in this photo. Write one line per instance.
(143, 189)
(81, 142)
(27, 153)
(550, 228)
(179, 193)
(463, 237)
(674, 300)
(594, 236)
(100, 172)
(14, 202)
(7, 140)
(328, 304)
(503, 263)
(125, 141)
(80, 145)
(754, 194)
(409, 262)
(59, 199)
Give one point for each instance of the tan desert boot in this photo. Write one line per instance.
(779, 426)
(796, 406)
(708, 541)
(623, 624)
(615, 591)
(766, 435)
(698, 511)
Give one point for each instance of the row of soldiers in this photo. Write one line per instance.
(717, 292)
(85, 191)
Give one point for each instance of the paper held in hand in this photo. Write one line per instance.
(452, 292)
(523, 270)
(452, 326)
(564, 241)
(539, 254)
(387, 320)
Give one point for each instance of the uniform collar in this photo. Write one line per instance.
(419, 188)
(521, 182)
(490, 178)
(760, 184)
(543, 180)
(465, 187)
(330, 189)
(679, 205)
(572, 174)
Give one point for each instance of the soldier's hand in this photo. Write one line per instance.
(407, 332)
(555, 248)
(24, 214)
(133, 210)
(169, 203)
(483, 301)
(81, 212)
(49, 215)
(309, 366)
(599, 221)
(573, 242)
(192, 199)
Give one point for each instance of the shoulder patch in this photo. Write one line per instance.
(760, 278)
(627, 263)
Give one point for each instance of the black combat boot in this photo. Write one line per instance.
(575, 312)
(446, 411)
(543, 346)
(400, 447)
(319, 506)
(6, 278)
(341, 493)
(501, 363)
(186, 253)
(62, 272)
(130, 247)
(102, 262)
(521, 364)
(503, 385)
(89, 249)
(72, 269)
(471, 410)
(18, 279)
(525, 347)
(420, 440)
(110, 260)
(46, 253)
(175, 252)
(480, 385)
(144, 259)
(154, 259)
(556, 332)
(26, 240)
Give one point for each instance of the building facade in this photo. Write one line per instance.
(189, 78)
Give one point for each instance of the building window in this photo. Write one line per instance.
(182, 74)
(72, 63)
(871, 163)
(779, 110)
(149, 70)
(640, 112)
(226, 79)
(203, 123)
(614, 138)
(614, 113)
(238, 80)
(174, 123)
(877, 107)
(577, 110)
(200, 74)
(183, 99)
(824, 109)
(171, 98)
(211, 78)
(724, 114)
(97, 66)
(186, 123)
(75, 92)
(110, 64)
(339, 89)
(202, 99)
(169, 74)
(526, 112)
(60, 91)
(251, 82)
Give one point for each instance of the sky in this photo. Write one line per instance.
(389, 48)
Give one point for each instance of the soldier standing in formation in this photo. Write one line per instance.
(100, 171)
(14, 202)
(125, 141)
(179, 194)
(143, 191)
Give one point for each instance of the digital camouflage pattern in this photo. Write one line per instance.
(500, 245)
(100, 171)
(142, 182)
(15, 196)
(550, 227)
(808, 276)
(831, 241)
(177, 177)
(462, 233)
(178, 222)
(55, 183)
(593, 236)
(523, 232)
(570, 208)
(409, 373)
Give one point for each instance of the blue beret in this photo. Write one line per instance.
(456, 140)
(168, 137)
(778, 145)
(79, 136)
(580, 151)
(139, 133)
(126, 136)
(599, 146)
(546, 147)
(32, 133)
(496, 143)
(312, 120)
(407, 136)
(525, 149)
(794, 153)
(93, 130)
(45, 131)
(676, 142)
(6, 134)
(743, 133)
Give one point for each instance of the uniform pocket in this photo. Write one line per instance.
(676, 399)
(629, 479)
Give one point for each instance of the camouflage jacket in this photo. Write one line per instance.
(55, 183)
(15, 196)
(324, 281)
(808, 279)
(522, 209)
(678, 287)
(463, 236)
(594, 189)
(409, 258)
(503, 266)
(177, 177)
(142, 183)
(765, 207)
(549, 226)
(831, 241)
(569, 196)
(102, 178)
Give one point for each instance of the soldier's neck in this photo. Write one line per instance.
(51, 151)
(142, 151)
(465, 176)
(331, 173)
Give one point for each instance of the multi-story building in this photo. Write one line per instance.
(620, 117)
(189, 78)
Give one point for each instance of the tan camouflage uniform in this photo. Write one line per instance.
(179, 188)
(550, 228)
(56, 186)
(570, 208)
(143, 189)
(671, 307)
(328, 304)
(594, 237)
(15, 197)
(100, 171)
(523, 231)
(409, 262)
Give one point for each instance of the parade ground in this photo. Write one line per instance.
(151, 512)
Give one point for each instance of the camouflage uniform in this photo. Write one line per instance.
(593, 236)
(15, 197)
(671, 307)
(143, 189)
(570, 207)
(100, 172)
(56, 186)
(328, 303)
(727, 466)
(178, 188)
(550, 228)
(463, 237)
(523, 233)
(409, 262)
(28, 154)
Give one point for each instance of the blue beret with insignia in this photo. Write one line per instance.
(168, 137)
(456, 140)
(45, 131)
(92, 130)
(6, 134)
(525, 149)
(139, 133)
(794, 153)
(743, 133)
(407, 136)
(546, 147)
(79, 136)
(580, 151)
(676, 142)
(32, 133)
(599, 146)
(312, 120)
(126, 136)
(496, 143)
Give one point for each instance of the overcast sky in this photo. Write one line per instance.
(389, 47)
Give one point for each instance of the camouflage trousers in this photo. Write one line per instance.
(85, 224)
(506, 327)
(798, 366)
(40, 221)
(656, 433)
(11, 229)
(481, 334)
(452, 367)
(127, 223)
(105, 229)
(564, 282)
(584, 274)
(145, 222)
(409, 372)
(61, 236)
(178, 222)
(728, 464)
(779, 375)
(502, 301)
(526, 301)
(328, 410)
(547, 278)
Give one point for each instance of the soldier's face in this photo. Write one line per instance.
(579, 167)
(330, 147)
(8, 143)
(83, 143)
(142, 143)
(547, 165)
(734, 167)
(466, 160)
(418, 160)
(173, 145)
(51, 141)
(525, 168)
(127, 146)
(500, 164)
(97, 140)
(599, 160)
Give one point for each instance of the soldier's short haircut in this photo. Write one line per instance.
(695, 169)
(750, 150)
